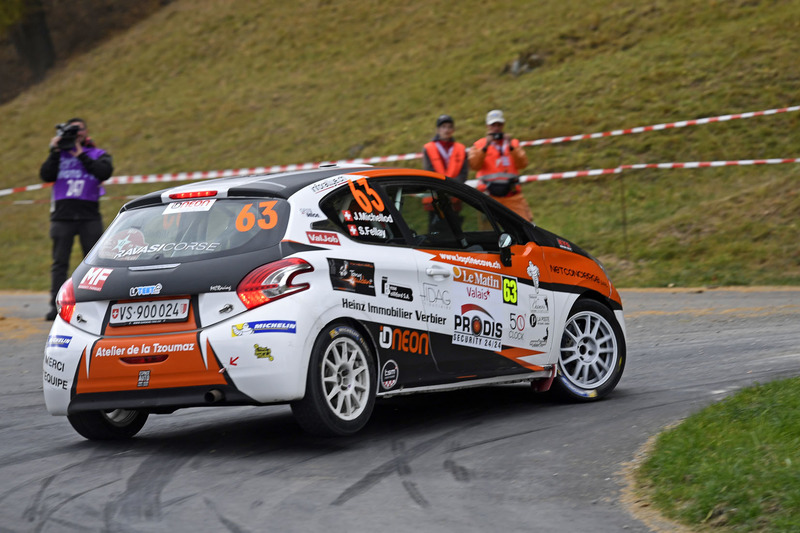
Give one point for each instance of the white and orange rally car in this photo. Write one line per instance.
(324, 289)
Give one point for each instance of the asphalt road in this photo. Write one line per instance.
(490, 459)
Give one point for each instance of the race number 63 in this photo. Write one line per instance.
(246, 219)
(363, 197)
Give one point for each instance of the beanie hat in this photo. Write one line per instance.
(443, 119)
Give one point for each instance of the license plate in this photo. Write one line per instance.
(149, 312)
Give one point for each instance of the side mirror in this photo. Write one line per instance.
(505, 243)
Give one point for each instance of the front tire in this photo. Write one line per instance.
(341, 384)
(592, 354)
(114, 424)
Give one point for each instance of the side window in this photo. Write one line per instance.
(360, 212)
(439, 218)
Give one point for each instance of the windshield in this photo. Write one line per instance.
(191, 230)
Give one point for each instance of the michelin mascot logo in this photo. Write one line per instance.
(238, 330)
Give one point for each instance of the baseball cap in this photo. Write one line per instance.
(495, 115)
(444, 118)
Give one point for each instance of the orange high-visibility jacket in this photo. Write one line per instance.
(497, 158)
(456, 166)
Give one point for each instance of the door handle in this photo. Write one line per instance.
(437, 271)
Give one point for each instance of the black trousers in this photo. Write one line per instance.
(62, 233)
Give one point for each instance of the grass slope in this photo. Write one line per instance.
(215, 84)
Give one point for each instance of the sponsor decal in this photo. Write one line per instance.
(538, 343)
(389, 374)
(510, 295)
(262, 352)
(469, 260)
(429, 318)
(477, 278)
(321, 237)
(404, 340)
(58, 341)
(95, 278)
(54, 363)
(220, 288)
(189, 206)
(135, 251)
(310, 213)
(533, 273)
(477, 328)
(564, 244)
(394, 312)
(478, 294)
(538, 304)
(330, 183)
(539, 320)
(396, 291)
(352, 304)
(55, 381)
(146, 290)
(434, 296)
(144, 349)
(352, 276)
(264, 326)
(516, 323)
(566, 271)
(144, 378)
(121, 242)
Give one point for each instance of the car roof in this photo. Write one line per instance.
(281, 185)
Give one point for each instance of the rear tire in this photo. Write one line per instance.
(340, 386)
(592, 353)
(114, 424)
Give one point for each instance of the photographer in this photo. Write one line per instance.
(77, 167)
(499, 158)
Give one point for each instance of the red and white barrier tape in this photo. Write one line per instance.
(593, 172)
(643, 166)
(658, 127)
(209, 174)
(185, 176)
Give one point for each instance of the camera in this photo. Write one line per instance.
(68, 134)
(497, 136)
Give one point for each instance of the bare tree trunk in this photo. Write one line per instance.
(31, 38)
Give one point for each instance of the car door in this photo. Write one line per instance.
(374, 271)
(486, 318)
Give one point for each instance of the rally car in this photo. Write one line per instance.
(324, 289)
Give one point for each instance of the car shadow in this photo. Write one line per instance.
(267, 431)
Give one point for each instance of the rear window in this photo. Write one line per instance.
(192, 230)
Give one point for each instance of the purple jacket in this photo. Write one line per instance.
(77, 182)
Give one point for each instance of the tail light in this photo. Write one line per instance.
(65, 300)
(273, 281)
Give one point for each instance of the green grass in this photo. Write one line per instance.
(735, 466)
(212, 84)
